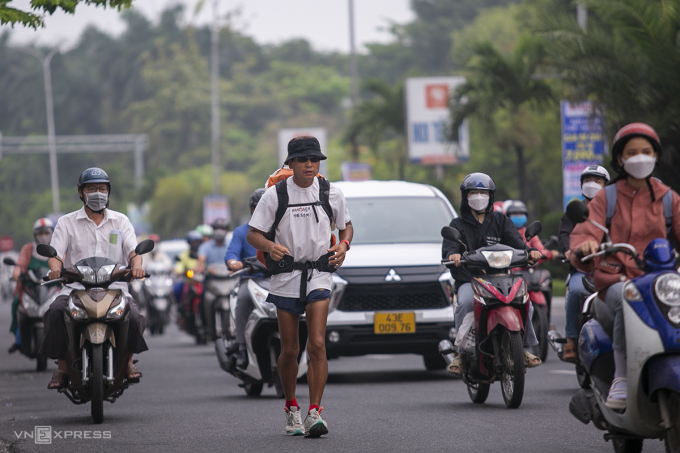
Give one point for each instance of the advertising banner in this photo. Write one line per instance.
(286, 135)
(583, 144)
(356, 171)
(427, 117)
(216, 207)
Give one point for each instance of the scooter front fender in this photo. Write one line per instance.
(663, 372)
(506, 316)
(97, 333)
(537, 298)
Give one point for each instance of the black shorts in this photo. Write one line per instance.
(295, 305)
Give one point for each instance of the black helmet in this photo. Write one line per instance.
(220, 223)
(256, 196)
(94, 175)
(477, 181)
(516, 207)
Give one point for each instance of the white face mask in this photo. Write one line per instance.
(590, 189)
(96, 201)
(478, 202)
(43, 238)
(639, 166)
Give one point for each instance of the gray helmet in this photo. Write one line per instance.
(255, 197)
(516, 207)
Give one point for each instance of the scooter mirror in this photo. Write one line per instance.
(451, 234)
(46, 250)
(533, 229)
(144, 247)
(577, 211)
(9, 261)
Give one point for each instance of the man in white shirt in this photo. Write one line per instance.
(93, 230)
(301, 257)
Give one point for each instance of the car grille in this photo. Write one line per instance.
(393, 296)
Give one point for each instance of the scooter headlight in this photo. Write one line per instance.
(119, 310)
(87, 274)
(667, 289)
(104, 273)
(31, 306)
(76, 311)
(498, 260)
(522, 291)
(479, 288)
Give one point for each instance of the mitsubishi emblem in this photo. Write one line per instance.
(392, 276)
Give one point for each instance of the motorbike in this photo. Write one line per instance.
(189, 318)
(651, 314)
(262, 339)
(158, 296)
(97, 323)
(217, 288)
(501, 310)
(34, 302)
(540, 319)
(6, 284)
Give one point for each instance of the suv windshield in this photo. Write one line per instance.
(398, 220)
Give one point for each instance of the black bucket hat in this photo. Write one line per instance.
(304, 146)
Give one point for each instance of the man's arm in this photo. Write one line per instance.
(340, 249)
(256, 238)
(136, 265)
(232, 257)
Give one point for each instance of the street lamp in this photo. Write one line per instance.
(49, 105)
(215, 113)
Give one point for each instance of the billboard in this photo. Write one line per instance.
(356, 171)
(286, 135)
(216, 207)
(583, 144)
(427, 120)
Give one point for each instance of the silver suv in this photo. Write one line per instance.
(392, 295)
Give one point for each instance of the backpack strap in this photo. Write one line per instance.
(668, 211)
(282, 195)
(610, 195)
(324, 197)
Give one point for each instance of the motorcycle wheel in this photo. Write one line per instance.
(97, 383)
(478, 392)
(672, 438)
(41, 360)
(627, 445)
(226, 325)
(253, 388)
(540, 323)
(512, 379)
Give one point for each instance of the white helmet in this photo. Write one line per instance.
(42, 230)
(41, 223)
(595, 170)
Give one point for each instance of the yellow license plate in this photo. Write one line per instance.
(395, 323)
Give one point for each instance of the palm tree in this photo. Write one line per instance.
(628, 60)
(496, 83)
(383, 114)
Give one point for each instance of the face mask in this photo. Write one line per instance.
(640, 166)
(97, 201)
(590, 189)
(478, 202)
(519, 220)
(219, 235)
(43, 238)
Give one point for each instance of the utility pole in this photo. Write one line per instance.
(354, 75)
(582, 16)
(49, 107)
(215, 114)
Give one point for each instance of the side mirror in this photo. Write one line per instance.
(9, 261)
(577, 211)
(451, 234)
(46, 250)
(552, 242)
(144, 247)
(533, 229)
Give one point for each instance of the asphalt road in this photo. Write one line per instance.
(185, 402)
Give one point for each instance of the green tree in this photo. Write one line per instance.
(628, 61)
(9, 15)
(499, 84)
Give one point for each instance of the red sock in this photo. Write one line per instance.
(292, 403)
(313, 406)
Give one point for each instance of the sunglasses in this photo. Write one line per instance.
(302, 160)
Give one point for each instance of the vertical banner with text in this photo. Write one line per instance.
(428, 119)
(583, 144)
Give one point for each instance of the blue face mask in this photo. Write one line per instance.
(519, 220)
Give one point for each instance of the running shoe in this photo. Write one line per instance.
(315, 426)
(294, 425)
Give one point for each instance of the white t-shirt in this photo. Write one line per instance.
(76, 237)
(300, 233)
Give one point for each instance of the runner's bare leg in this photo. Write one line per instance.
(317, 374)
(290, 349)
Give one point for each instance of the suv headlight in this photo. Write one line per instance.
(339, 285)
(667, 289)
(76, 311)
(447, 283)
(119, 310)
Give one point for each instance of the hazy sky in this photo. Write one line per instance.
(268, 21)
